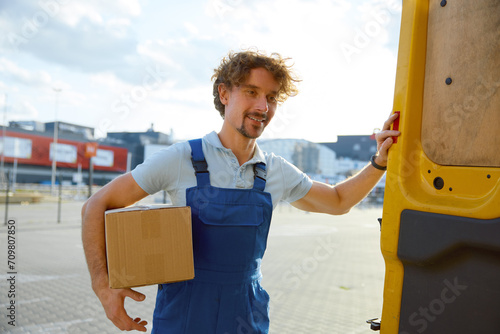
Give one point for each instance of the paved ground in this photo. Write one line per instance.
(324, 273)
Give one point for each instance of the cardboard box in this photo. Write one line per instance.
(148, 245)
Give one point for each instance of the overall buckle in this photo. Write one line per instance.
(259, 172)
(200, 166)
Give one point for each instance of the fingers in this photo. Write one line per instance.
(389, 121)
(382, 136)
(126, 323)
(142, 323)
(387, 133)
(383, 151)
(135, 295)
(131, 325)
(113, 302)
(386, 130)
(386, 145)
(123, 321)
(385, 139)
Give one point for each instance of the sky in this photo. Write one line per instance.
(127, 65)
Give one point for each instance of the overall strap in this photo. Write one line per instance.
(199, 163)
(259, 182)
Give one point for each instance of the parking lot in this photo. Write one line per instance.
(324, 273)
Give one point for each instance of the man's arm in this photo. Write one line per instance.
(339, 199)
(121, 192)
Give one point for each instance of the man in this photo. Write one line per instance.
(232, 187)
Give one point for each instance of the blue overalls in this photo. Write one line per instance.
(230, 228)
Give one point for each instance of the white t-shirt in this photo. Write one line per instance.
(171, 170)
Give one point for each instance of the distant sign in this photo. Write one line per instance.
(16, 147)
(104, 158)
(64, 153)
(90, 150)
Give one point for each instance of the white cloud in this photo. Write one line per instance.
(89, 36)
(101, 51)
(108, 80)
(75, 11)
(156, 51)
(123, 7)
(200, 95)
(98, 12)
(23, 76)
(191, 28)
(22, 110)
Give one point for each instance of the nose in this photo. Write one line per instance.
(262, 104)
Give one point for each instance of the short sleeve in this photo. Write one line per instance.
(161, 171)
(297, 183)
(286, 182)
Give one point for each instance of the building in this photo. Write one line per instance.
(316, 160)
(28, 155)
(71, 131)
(354, 147)
(27, 151)
(139, 144)
(322, 163)
(28, 125)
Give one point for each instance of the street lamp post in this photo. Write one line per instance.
(54, 146)
(2, 174)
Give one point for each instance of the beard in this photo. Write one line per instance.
(258, 131)
(245, 133)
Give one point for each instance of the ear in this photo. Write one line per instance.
(223, 93)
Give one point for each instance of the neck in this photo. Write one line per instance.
(242, 147)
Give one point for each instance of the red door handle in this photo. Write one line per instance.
(395, 126)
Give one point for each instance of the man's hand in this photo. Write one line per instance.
(384, 140)
(113, 301)
(121, 192)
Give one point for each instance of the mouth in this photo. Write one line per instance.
(257, 119)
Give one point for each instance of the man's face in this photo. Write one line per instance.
(251, 106)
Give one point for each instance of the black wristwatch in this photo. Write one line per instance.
(374, 164)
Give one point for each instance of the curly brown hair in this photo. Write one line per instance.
(235, 68)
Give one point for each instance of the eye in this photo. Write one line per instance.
(272, 99)
(251, 92)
